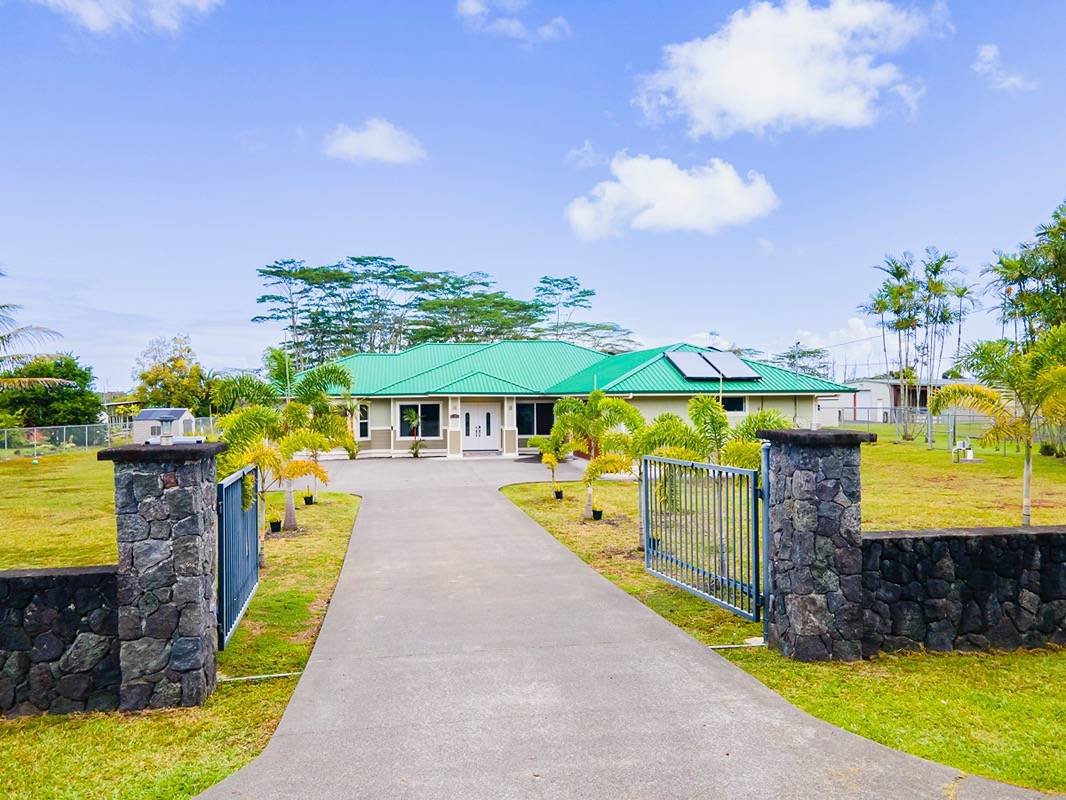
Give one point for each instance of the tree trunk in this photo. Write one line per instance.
(588, 502)
(289, 523)
(1027, 480)
(260, 494)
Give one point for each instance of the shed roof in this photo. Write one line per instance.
(161, 414)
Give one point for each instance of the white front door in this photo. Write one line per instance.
(480, 423)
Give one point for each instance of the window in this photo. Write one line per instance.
(534, 418)
(733, 403)
(466, 425)
(428, 413)
(488, 423)
(364, 422)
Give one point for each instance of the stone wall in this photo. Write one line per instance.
(964, 589)
(59, 649)
(839, 594)
(167, 545)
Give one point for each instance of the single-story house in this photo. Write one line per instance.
(491, 398)
(149, 423)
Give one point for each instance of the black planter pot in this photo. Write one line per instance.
(309, 500)
(597, 513)
(558, 494)
(275, 526)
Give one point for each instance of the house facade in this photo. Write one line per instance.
(491, 398)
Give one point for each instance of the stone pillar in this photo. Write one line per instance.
(815, 558)
(165, 506)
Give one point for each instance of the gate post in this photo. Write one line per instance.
(167, 552)
(815, 555)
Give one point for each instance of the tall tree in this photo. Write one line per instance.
(804, 359)
(170, 376)
(54, 390)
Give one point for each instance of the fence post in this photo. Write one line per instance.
(167, 549)
(815, 612)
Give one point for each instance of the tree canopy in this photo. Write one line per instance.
(374, 304)
(51, 390)
(170, 376)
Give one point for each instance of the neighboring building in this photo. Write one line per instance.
(149, 421)
(491, 398)
(873, 399)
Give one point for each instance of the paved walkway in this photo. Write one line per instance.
(467, 654)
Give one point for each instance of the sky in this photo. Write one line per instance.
(722, 168)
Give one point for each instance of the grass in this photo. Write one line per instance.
(994, 715)
(179, 753)
(59, 512)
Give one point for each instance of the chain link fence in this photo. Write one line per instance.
(56, 439)
(937, 431)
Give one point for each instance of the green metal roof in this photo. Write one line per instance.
(513, 368)
(650, 372)
(543, 367)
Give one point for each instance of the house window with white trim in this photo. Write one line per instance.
(429, 416)
(534, 418)
(364, 421)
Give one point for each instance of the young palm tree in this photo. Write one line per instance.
(1017, 384)
(554, 448)
(588, 421)
(12, 338)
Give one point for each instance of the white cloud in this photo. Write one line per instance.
(775, 67)
(104, 16)
(500, 18)
(376, 140)
(989, 65)
(585, 156)
(655, 194)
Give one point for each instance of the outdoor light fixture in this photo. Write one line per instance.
(166, 434)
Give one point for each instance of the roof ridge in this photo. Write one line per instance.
(481, 349)
(642, 365)
(488, 375)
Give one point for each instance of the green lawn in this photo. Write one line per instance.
(991, 715)
(179, 753)
(59, 512)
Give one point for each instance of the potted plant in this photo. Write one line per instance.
(597, 513)
(554, 448)
(309, 497)
(275, 523)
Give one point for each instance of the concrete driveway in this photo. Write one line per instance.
(467, 654)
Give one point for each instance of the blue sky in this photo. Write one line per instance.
(153, 154)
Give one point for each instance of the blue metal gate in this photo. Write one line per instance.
(238, 550)
(701, 531)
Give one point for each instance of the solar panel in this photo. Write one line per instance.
(692, 367)
(730, 367)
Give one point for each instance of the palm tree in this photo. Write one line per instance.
(588, 421)
(1017, 384)
(554, 449)
(13, 336)
(967, 297)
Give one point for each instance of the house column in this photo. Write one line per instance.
(510, 428)
(455, 431)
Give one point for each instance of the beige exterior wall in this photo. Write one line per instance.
(798, 408)
(380, 413)
(379, 440)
